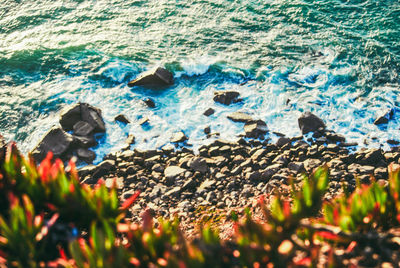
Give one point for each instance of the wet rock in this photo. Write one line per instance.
(282, 141)
(209, 112)
(130, 140)
(122, 118)
(255, 129)
(84, 142)
(207, 130)
(308, 122)
(198, 164)
(226, 97)
(82, 128)
(158, 77)
(240, 117)
(384, 118)
(70, 116)
(149, 102)
(57, 141)
(92, 115)
(334, 137)
(86, 155)
(178, 137)
(143, 121)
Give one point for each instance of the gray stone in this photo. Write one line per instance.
(240, 117)
(56, 140)
(384, 118)
(206, 184)
(255, 129)
(86, 155)
(143, 121)
(308, 122)
(198, 164)
(158, 77)
(172, 172)
(174, 192)
(84, 141)
(311, 163)
(130, 140)
(282, 141)
(92, 115)
(296, 167)
(122, 118)
(69, 116)
(149, 102)
(226, 97)
(178, 137)
(82, 128)
(209, 112)
(189, 185)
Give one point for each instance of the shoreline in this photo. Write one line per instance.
(229, 176)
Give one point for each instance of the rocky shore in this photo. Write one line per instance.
(226, 176)
(223, 175)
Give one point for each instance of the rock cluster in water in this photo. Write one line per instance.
(74, 136)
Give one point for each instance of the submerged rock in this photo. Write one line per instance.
(384, 119)
(226, 97)
(158, 77)
(209, 112)
(149, 102)
(309, 122)
(122, 118)
(56, 140)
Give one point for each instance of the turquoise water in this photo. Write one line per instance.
(339, 59)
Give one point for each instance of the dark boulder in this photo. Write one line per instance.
(86, 155)
(70, 116)
(158, 77)
(84, 141)
(255, 129)
(226, 97)
(122, 118)
(209, 112)
(82, 112)
(308, 122)
(92, 115)
(82, 128)
(57, 141)
(384, 119)
(149, 102)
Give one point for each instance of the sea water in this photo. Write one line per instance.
(339, 59)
